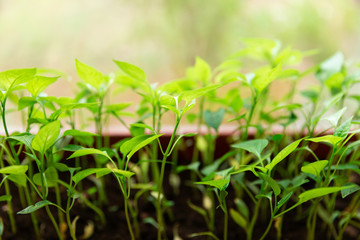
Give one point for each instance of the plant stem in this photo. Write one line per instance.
(33, 216)
(253, 220)
(267, 229)
(162, 172)
(54, 222)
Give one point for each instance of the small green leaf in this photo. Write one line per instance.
(11, 78)
(318, 192)
(15, 169)
(333, 140)
(78, 133)
(315, 168)
(38, 84)
(343, 129)
(19, 178)
(238, 218)
(51, 177)
(284, 200)
(214, 119)
(353, 188)
(120, 172)
(5, 198)
(334, 63)
(88, 151)
(87, 172)
(254, 146)
(275, 187)
(201, 71)
(197, 209)
(46, 137)
(33, 208)
(189, 96)
(132, 70)
(262, 80)
(117, 107)
(133, 145)
(220, 184)
(334, 118)
(283, 154)
(25, 102)
(89, 74)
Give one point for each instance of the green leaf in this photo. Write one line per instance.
(189, 96)
(347, 191)
(333, 140)
(238, 218)
(275, 187)
(254, 146)
(343, 129)
(133, 145)
(11, 78)
(214, 119)
(37, 206)
(315, 168)
(283, 154)
(89, 74)
(318, 192)
(334, 63)
(46, 137)
(25, 102)
(201, 71)
(38, 84)
(220, 184)
(334, 118)
(15, 169)
(5, 198)
(132, 70)
(197, 209)
(78, 133)
(262, 80)
(120, 172)
(117, 107)
(88, 151)
(87, 172)
(51, 177)
(284, 200)
(19, 178)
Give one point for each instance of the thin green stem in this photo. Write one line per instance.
(52, 219)
(159, 185)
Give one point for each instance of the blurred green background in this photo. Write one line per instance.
(164, 36)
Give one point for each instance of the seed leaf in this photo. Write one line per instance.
(33, 208)
(343, 129)
(46, 137)
(19, 178)
(254, 146)
(201, 71)
(120, 172)
(315, 168)
(284, 200)
(220, 184)
(238, 218)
